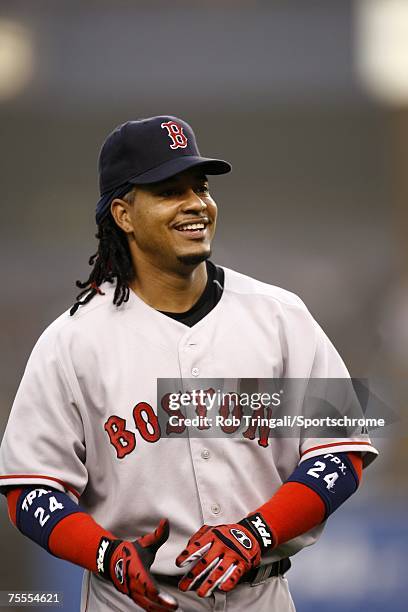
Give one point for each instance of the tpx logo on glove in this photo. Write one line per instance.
(100, 561)
(257, 523)
(242, 538)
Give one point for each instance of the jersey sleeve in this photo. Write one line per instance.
(44, 438)
(331, 381)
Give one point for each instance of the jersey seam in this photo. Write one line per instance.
(66, 378)
(74, 397)
(71, 320)
(42, 477)
(300, 306)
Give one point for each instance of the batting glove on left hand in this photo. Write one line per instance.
(221, 556)
(127, 565)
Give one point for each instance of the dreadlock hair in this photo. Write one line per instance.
(111, 261)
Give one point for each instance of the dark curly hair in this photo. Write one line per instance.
(111, 261)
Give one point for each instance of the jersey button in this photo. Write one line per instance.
(195, 371)
(215, 509)
(206, 454)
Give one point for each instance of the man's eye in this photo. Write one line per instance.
(169, 193)
(203, 189)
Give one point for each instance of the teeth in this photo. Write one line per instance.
(192, 226)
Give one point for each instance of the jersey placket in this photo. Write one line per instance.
(195, 363)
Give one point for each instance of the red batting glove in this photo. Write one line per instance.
(221, 556)
(127, 564)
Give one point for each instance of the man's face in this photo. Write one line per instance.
(173, 222)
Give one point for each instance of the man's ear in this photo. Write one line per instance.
(120, 211)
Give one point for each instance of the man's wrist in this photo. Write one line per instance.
(258, 527)
(104, 553)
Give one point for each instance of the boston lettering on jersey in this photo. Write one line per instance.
(147, 424)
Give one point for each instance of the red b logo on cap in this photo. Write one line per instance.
(175, 131)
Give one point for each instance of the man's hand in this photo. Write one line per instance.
(221, 556)
(127, 565)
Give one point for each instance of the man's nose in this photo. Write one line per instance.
(193, 202)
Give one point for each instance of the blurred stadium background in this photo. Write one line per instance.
(308, 100)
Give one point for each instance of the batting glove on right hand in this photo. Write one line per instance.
(219, 557)
(127, 564)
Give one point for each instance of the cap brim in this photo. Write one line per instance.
(179, 164)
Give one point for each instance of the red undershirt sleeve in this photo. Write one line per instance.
(76, 538)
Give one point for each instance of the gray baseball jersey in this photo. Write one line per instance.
(84, 418)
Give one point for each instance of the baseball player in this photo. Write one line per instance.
(158, 520)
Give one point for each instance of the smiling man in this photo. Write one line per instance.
(162, 522)
(169, 227)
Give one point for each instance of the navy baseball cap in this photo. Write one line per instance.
(148, 151)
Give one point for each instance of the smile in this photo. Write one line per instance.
(190, 227)
(192, 231)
